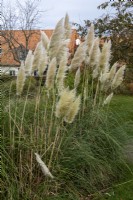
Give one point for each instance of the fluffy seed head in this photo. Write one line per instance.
(73, 110)
(108, 99)
(67, 27)
(51, 74)
(105, 57)
(94, 53)
(28, 62)
(37, 53)
(90, 38)
(113, 71)
(20, 79)
(79, 57)
(44, 39)
(44, 168)
(42, 62)
(56, 40)
(61, 73)
(66, 99)
(118, 77)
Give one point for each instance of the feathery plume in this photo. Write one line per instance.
(118, 77)
(67, 27)
(37, 53)
(61, 73)
(90, 38)
(104, 77)
(28, 62)
(95, 72)
(105, 56)
(44, 168)
(66, 98)
(94, 53)
(79, 57)
(20, 79)
(73, 110)
(51, 74)
(108, 99)
(113, 71)
(56, 39)
(44, 39)
(77, 78)
(62, 51)
(42, 62)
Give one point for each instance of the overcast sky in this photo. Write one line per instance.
(78, 10)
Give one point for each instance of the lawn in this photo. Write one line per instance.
(123, 107)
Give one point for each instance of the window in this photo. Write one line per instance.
(12, 72)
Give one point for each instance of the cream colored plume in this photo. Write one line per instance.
(44, 168)
(66, 99)
(104, 77)
(79, 57)
(108, 99)
(73, 110)
(29, 62)
(51, 74)
(94, 54)
(42, 62)
(90, 38)
(118, 77)
(62, 51)
(95, 72)
(61, 73)
(20, 79)
(77, 78)
(37, 54)
(44, 39)
(67, 27)
(113, 71)
(105, 56)
(56, 40)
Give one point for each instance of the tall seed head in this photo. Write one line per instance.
(51, 74)
(42, 62)
(118, 77)
(90, 38)
(113, 71)
(79, 57)
(66, 99)
(29, 62)
(44, 39)
(56, 40)
(61, 73)
(77, 78)
(20, 79)
(67, 27)
(37, 54)
(105, 57)
(73, 110)
(94, 54)
(108, 99)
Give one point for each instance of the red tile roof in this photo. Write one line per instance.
(7, 57)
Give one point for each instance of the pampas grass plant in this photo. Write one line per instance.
(70, 128)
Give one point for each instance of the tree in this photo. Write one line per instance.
(119, 26)
(24, 17)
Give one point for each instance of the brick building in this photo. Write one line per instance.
(6, 55)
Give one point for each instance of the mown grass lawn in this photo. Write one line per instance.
(123, 107)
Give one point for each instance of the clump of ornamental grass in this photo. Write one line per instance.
(69, 128)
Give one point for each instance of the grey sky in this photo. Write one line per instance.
(78, 10)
